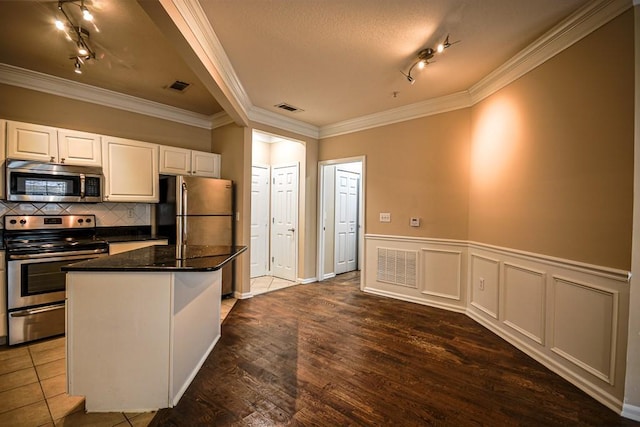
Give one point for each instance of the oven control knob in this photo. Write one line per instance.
(81, 220)
(13, 221)
(23, 221)
(88, 220)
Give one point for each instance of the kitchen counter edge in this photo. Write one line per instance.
(161, 258)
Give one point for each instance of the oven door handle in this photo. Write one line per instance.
(32, 311)
(57, 254)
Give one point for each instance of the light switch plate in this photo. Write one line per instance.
(415, 222)
(385, 217)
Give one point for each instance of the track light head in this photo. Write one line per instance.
(424, 56)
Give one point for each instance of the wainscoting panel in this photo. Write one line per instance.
(524, 301)
(441, 273)
(572, 317)
(440, 270)
(584, 326)
(485, 283)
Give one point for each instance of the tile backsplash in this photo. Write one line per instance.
(107, 214)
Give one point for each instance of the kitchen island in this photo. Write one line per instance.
(140, 324)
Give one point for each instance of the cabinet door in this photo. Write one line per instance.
(130, 169)
(79, 148)
(26, 141)
(175, 161)
(205, 164)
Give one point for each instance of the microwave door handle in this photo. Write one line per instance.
(82, 185)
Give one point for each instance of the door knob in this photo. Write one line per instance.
(291, 229)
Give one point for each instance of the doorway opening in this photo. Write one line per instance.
(277, 164)
(340, 217)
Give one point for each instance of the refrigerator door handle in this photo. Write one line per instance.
(183, 211)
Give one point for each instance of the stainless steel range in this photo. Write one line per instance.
(37, 246)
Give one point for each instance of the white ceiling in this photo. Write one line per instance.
(335, 59)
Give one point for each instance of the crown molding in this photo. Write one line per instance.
(408, 112)
(41, 82)
(569, 31)
(196, 20)
(266, 117)
(221, 119)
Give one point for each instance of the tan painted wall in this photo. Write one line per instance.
(234, 144)
(416, 168)
(37, 107)
(552, 155)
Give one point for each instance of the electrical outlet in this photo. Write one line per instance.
(130, 212)
(482, 283)
(414, 222)
(385, 217)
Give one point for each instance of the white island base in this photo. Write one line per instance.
(135, 340)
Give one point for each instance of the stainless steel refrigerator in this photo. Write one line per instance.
(198, 211)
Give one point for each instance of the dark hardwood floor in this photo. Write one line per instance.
(327, 354)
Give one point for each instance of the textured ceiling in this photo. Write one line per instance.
(335, 59)
(341, 59)
(132, 55)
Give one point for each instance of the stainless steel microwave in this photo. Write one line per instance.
(29, 181)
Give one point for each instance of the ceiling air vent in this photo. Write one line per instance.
(179, 86)
(288, 107)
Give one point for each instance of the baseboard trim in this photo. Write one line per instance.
(242, 295)
(631, 411)
(307, 281)
(329, 276)
(435, 304)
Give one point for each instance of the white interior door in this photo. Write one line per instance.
(259, 220)
(284, 211)
(346, 221)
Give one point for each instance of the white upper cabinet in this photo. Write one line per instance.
(130, 169)
(179, 161)
(27, 141)
(175, 161)
(79, 148)
(205, 164)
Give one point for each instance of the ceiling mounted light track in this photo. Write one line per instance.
(76, 33)
(424, 56)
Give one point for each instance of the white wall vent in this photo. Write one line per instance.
(398, 267)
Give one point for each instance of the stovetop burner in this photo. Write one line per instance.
(31, 234)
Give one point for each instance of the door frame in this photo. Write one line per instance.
(361, 214)
(268, 219)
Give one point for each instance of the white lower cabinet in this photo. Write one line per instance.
(180, 161)
(119, 247)
(131, 170)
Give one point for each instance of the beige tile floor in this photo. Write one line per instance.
(263, 284)
(33, 384)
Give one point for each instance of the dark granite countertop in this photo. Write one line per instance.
(127, 234)
(163, 258)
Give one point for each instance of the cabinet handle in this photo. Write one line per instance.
(62, 160)
(53, 159)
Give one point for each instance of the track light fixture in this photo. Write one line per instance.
(424, 56)
(77, 34)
